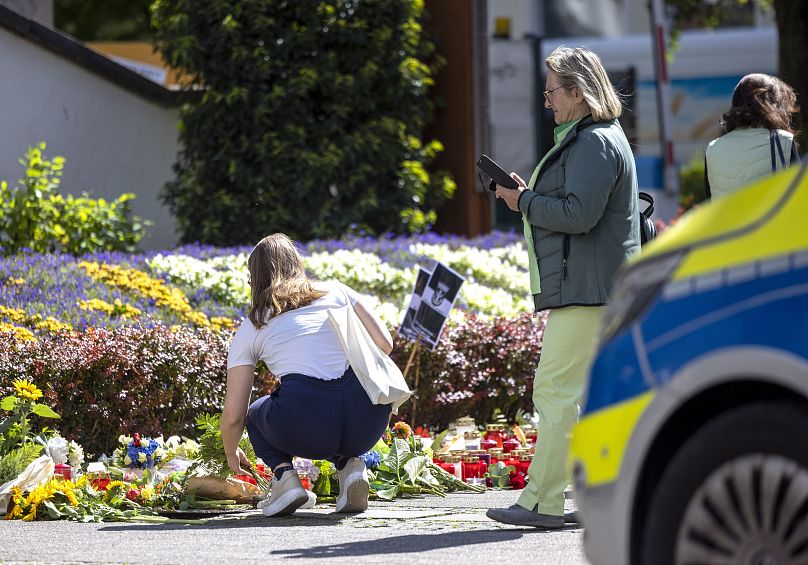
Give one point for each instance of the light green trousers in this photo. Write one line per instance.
(567, 349)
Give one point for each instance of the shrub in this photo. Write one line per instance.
(34, 215)
(479, 366)
(691, 184)
(106, 383)
(310, 122)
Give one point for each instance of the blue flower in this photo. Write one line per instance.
(372, 459)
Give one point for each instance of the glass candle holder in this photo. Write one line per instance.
(493, 432)
(510, 444)
(66, 471)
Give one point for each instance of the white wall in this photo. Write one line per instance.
(114, 141)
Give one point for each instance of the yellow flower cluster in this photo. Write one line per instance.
(13, 314)
(116, 308)
(36, 321)
(49, 324)
(26, 389)
(140, 282)
(27, 506)
(12, 280)
(19, 333)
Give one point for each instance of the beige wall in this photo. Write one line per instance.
(114, 141)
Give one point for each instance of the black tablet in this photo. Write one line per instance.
(495, 172)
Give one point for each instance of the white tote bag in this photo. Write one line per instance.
(379, 375)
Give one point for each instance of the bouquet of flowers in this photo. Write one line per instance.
(138, 452)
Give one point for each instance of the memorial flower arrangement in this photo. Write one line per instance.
(139, 452)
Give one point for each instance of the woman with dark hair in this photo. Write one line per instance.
(319, 410)
(758, 136)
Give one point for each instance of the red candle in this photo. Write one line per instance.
(524, 463)
(510, 444)
(65, 471)
(101, 484)
(493, 432)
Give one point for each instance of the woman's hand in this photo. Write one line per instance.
(511, 195)
(235, 460)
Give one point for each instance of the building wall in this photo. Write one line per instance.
(113, 140)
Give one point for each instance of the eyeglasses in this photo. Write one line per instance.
(548, 92)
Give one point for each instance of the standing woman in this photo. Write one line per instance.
(580, 213)
(757, 135)
(319, 410)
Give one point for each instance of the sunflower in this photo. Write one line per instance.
(26, 389)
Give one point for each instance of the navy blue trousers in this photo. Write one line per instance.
(315, 419)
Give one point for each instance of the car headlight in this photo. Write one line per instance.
(635, 288)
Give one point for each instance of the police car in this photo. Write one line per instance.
(692, 447)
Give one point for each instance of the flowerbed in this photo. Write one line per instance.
(138, 341)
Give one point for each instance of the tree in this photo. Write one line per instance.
(103, 20)
(792, 29)
(309, 120)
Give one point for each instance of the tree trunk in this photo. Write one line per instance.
(792, 27)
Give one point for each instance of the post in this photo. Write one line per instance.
(659, 34)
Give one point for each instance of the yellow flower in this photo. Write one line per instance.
(26, 389)
(22, 334)
(147, 492)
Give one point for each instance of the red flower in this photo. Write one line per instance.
(132, 494)
(517, 481)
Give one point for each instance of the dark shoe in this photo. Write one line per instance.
(572, 517)
(518, 516)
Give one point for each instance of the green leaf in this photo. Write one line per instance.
(399, 453)
(388, 494)
(414, 467)
(428, 478)
(53, 512)
(44, 411)
(8, 403)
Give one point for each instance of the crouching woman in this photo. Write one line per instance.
(319, 410)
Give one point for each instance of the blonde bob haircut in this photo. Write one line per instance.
(581, 67)
(278, 279)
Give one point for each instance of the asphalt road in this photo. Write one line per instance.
(427, 530)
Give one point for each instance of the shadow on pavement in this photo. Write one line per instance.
(413, 543)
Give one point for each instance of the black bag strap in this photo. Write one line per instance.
(707, 192)
(644, 196)
(774, 139)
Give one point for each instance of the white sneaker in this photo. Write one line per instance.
(353, 487)
(310, 502)
(285, 496)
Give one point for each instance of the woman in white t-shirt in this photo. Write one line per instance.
(319, 410)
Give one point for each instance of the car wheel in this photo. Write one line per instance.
(735, 493)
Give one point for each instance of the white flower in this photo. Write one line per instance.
(124, 440)
(141, 457)
(57, 449)
(127, 460)
(75, 454)
(159, 452)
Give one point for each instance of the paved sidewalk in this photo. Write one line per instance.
(413, 531)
